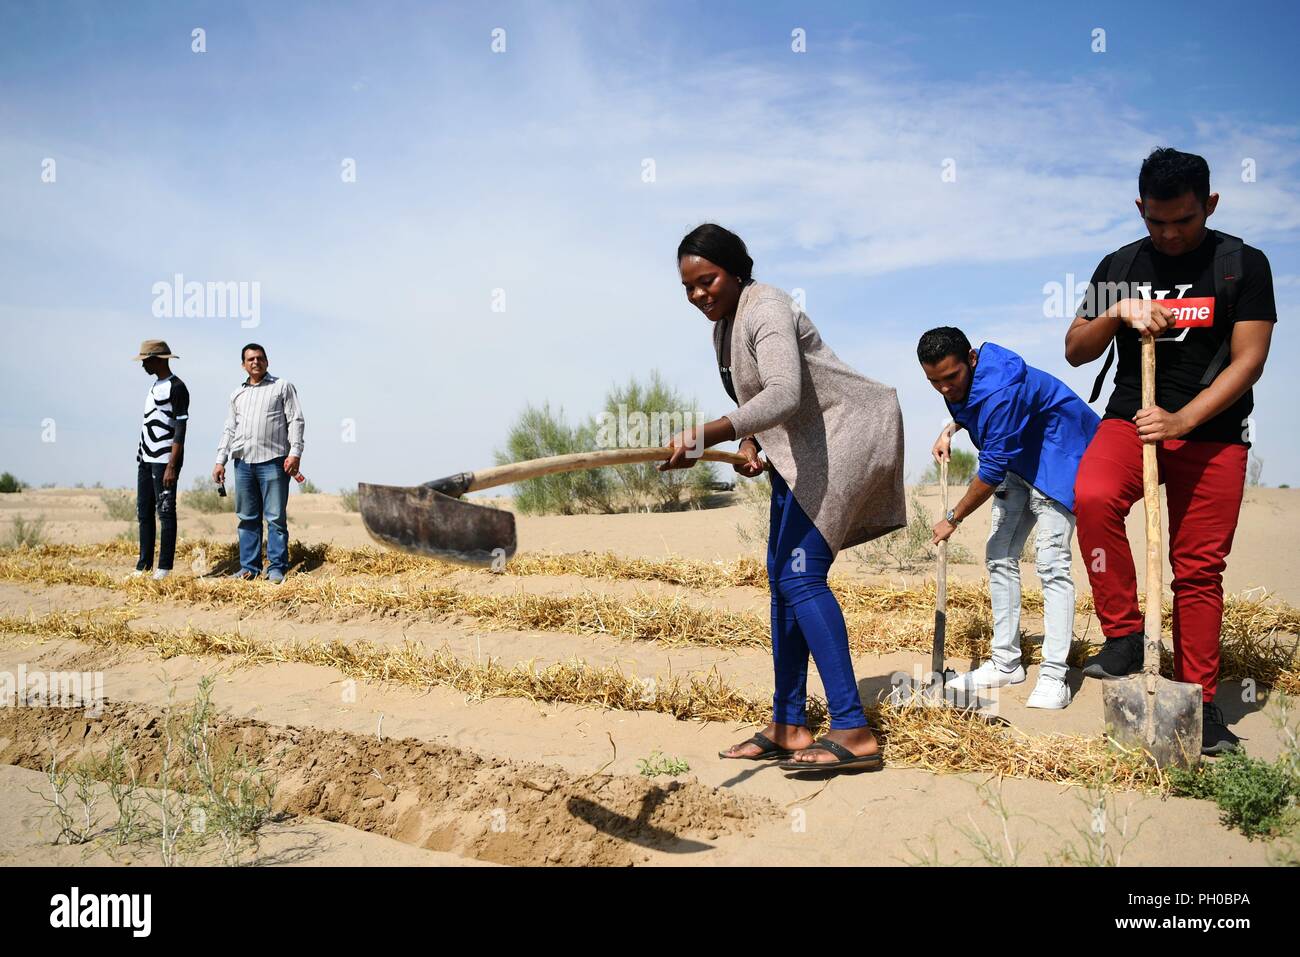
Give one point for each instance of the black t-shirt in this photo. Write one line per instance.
(1182, 355)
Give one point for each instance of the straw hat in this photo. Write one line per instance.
(155, 349)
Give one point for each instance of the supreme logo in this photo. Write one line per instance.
(1191, 313)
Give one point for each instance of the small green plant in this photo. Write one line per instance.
(1253, 795)
(26, 533)
(8, 483)
(755, 497)
(349, 500)
(308, 487)
(119, 774)
(909, 548)
(1105, 838)
(658, 764)
(120, 505)
(203, 497)
(59, 810)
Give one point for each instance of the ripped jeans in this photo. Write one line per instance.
(1017, 508)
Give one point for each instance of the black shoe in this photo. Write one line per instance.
(1215, 736)
(1118, 658)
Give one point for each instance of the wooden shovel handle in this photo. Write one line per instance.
(535, 468)
(1151, 501)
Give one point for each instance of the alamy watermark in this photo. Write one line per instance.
(208, 300)
(635, 429)
(53, 689)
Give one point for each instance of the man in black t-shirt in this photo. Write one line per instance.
(1208, 299)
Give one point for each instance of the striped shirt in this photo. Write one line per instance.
(166, 410)
(264, 422)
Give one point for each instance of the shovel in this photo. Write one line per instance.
(938, 674)
(432, 519)
(1145, 711)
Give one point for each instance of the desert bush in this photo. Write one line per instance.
(909, 548)
(348, 499)
(10, 484)
(308, 487)
(26, 532)
(755, 497)
(962, 466)
(203, 497)
(120, 505)
(539, 432)
(645, 415)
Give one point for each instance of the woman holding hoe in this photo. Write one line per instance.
(834, 445)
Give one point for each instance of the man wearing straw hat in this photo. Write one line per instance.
(159, 456)
(1031, 431)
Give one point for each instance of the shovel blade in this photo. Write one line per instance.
(421, 521)
(1155, 715)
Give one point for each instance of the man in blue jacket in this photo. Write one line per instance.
(1031, 431)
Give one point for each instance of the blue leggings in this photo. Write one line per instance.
(806, 617)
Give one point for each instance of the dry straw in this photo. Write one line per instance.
(1259, 637)
(943, 740)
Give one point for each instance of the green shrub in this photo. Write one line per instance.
(348, 499)
(308, 487)
(539, 432)
(120, 505)
(1253, 795)
(203, 497)
(909, 548)
(635, 415)
(26, 533)
(653, 412)
(962, 466)
(10, 484)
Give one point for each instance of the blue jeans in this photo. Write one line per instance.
(1017, 508)
(806, 618)
(262, 491)
(150, 497)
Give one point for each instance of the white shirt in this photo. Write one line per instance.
(264, 422)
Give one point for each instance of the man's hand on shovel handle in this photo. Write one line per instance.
(1157, 425)
(1146, 316)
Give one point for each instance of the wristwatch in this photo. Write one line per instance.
(951, 518)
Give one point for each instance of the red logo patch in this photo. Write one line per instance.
(1196, 313)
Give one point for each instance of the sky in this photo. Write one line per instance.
(452, 210)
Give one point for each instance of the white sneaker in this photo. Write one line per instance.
(987, 675)
(161, 573)
(1051, 693)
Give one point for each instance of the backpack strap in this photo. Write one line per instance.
(1227, 287)
(1121, 263)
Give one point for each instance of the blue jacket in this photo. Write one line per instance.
(1025, 421)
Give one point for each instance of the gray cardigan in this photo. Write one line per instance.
(834, 435)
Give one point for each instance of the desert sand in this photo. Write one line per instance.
(468, 779)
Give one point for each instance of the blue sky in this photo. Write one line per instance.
(522, 171)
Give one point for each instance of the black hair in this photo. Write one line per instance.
(944, 341)
(252, 345)
(1168, 174)
(721, 247)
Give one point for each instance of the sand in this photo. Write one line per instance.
(560, 783)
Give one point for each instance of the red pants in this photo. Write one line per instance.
(1203, 486)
